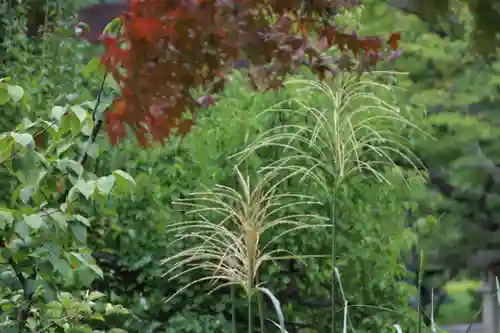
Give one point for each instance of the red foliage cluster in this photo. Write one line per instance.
(170, 50)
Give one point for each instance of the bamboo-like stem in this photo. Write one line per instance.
(262, 314)
(333, 221)
(233, 307)
(251, 285)
(250, 312)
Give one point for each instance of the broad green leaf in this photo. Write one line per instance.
(22, 229)
(115, 309)
(79, 112)
(31, 285)
(15, 92)
(113, 26)
(97, 316)
(141, 263)
(24, 139)
(61, 266)
(26, 124)
(45, 269)
(111, 82)
(60, 218)
(71, 122)
(4, 95)
(57, 112)
(95, 295)
(105, 184)
(79, 230)
(50, 293)
(87, 127)
(6, 218)
(66, 164)
(86, 188)
(93, 150)
(85, 221)
(119, 330)
(6, 145)
(64, 147)
(92, 66)
(35, 221)
(26, 193)
(90, 263)
(85, 275)
(97, 270)
(124, 179)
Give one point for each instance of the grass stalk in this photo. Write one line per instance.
(353, 131)
(233, 308)
(226, 237)
(333, 222)
(262, 313)
(250, 313)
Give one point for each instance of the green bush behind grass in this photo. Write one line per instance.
(461, 310)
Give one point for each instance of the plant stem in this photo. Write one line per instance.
(262, 315)
(250, 312)
(419, 327)
(250, 291)
(333, 221)
(233, 307)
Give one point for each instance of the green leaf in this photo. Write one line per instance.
(6, 145)
(4, 94)
(93, 150)
(92, 66)
(60, 218)
(66, 164)
(95, 295)
(79, 112)
(50, 293)
(123, 179)
(86, 188)
(141, 263)
(6, 218)
(118, 330)
(97, 270)
(113, 26)
(30, 286)
(97, 316)
(105, 184)
(61, 266)
(57, 112)
(80, 231)
(26, 193)
(35, 221)
(115, 309)
(24, 139)
(22, 229)
(85, 275)
(15, 92)
(82, 220)
(277, 307)
(86, 263)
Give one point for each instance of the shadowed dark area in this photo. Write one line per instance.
(97, 17)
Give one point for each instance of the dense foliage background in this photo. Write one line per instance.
(97, 263)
